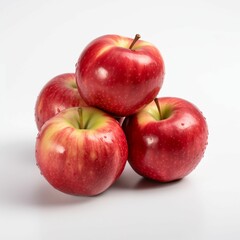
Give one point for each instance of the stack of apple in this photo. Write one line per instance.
(82, 146)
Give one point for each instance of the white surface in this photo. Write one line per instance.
(200, 42)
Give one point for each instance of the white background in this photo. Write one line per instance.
(200, 43)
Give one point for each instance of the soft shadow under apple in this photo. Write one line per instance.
(130, 180)
(46, 196)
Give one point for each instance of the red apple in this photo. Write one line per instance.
(81, 151)
(59, 93)
(113, 69)
(166, 144)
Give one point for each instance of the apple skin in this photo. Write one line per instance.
(58, 94)
(168, 149)
(108, 74)
(81, 160)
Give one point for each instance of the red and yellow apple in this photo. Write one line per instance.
(118, 74)
(166, 139)
(81, 151)
(58, 94)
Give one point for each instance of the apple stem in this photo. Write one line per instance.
(80, 113)
(158, 107)
(137, 36)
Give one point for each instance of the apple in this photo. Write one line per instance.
(81, 151)
(166, 139)
(59, 93)
(113, 69)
